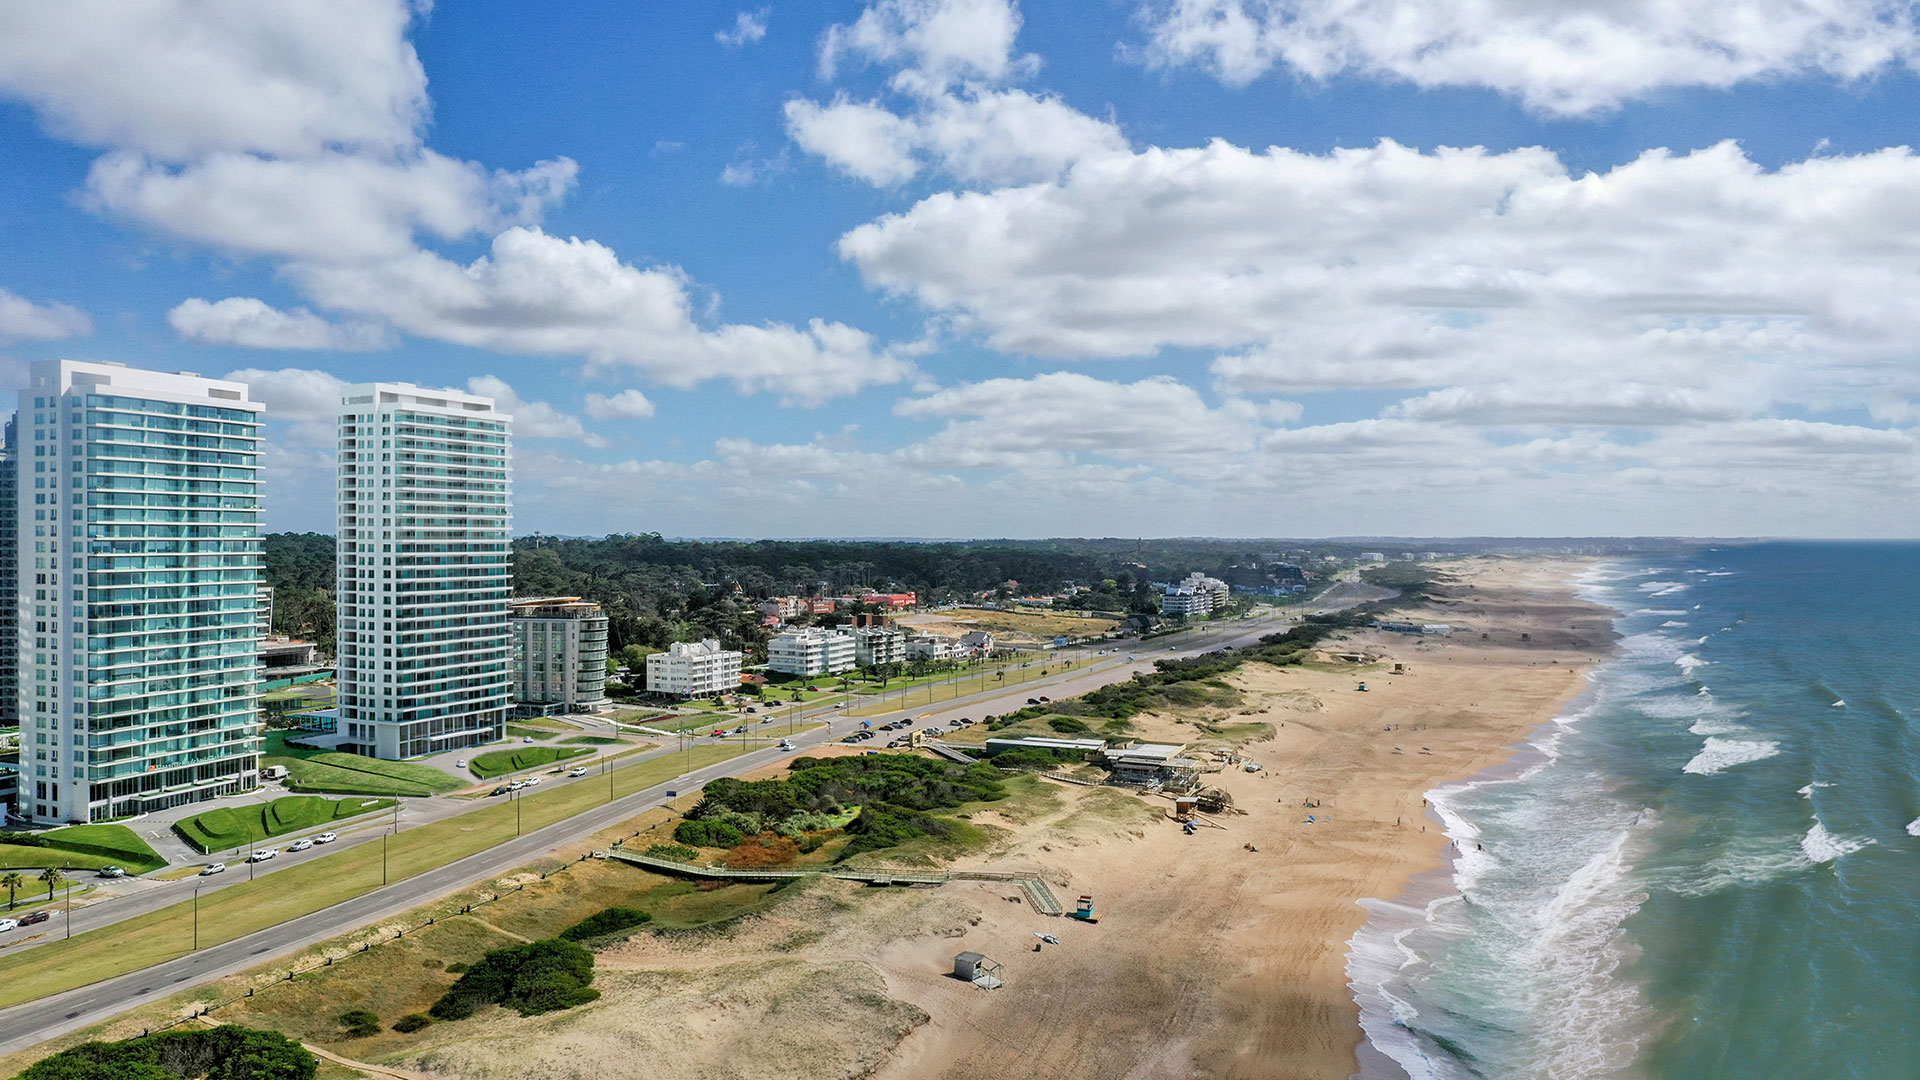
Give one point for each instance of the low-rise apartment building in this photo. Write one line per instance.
(929, 647)
(811, 651)
(694, 669)
(876, 645)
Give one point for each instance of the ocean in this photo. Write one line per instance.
(1708, 867)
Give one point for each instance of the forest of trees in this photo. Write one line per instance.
(658, 591)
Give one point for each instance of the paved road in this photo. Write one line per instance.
(24, 1025)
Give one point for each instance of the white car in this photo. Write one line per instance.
(213, 868)
(300, 845)
(461, 764)
(325, 838)
(579, 771)
(533, 781)
(518, 784)
(8, 924)
(263, 854)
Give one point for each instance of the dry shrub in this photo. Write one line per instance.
(767, 849)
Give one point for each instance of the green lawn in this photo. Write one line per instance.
(15, 857)
(330, 772)
(949, 687)
(233, 827)
(308, 886)
(85, 847)
(590, 740)
(499, 762)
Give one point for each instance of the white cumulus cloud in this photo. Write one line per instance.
(21, 318)
(254, 324)
(626, 405)
(1566, 57)
(748, 27)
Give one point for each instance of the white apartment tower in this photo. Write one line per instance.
(424, 573)
(559, 655)
(139, 565)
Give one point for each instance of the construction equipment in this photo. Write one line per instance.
(1084, 911)
(1214, 801)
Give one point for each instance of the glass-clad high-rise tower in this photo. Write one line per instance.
(137, 520)
(423, 573)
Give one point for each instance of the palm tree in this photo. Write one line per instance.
(53, 877)
(11, 881)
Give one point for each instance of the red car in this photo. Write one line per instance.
(719, 733)
(35, 917)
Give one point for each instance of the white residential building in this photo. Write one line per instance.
(975, 643)
(929, 647)
(136, 623)
(810, 651)
(559, 655)
(1197, 594)
(694, 669)
(875, 645)
(426, 656)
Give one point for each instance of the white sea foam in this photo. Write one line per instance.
(1741, 867)
(1689, 661)
(1715, 725)
(1807, 792)
(1671, 623)
(1659, 586)
(1821, 846)
(1720, 754)
(1720, 573)
(1913, 827)
(1661, 611)
(1839, 703)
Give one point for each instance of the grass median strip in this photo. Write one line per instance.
(231, 827)
(500, 762)
(313, 884)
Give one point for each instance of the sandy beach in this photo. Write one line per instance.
(1213, 960)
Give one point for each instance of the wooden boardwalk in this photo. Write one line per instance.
(1038, 894)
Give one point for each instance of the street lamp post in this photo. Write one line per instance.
(69, 911)
(383, 857)
(196, 918)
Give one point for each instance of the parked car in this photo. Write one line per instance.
(957, 722)
(741, 730)
(35, 918)
(1033, 701)
(460, 764)
(751, 709)
(527, 739)
(839, 704)
(1045, 698)
(213, 868)
(113, 871)
(810, 686)
(501, 790)
(719, 733)
(8, 924)
(580, 770)
(853, 738)
(263, 854)
(786, 744)
(300, 845)
(517, 785)
(532, 781)
(325, 838)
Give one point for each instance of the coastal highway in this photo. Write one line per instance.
(24, 1025)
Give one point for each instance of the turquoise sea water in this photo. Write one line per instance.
(1707, 868)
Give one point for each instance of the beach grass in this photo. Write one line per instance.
(308, 886)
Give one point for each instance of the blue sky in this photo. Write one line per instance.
(971, 267)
